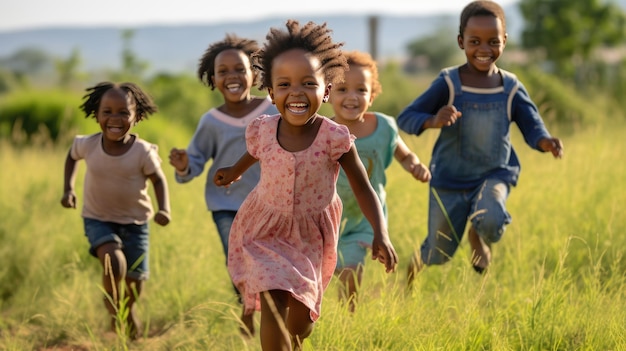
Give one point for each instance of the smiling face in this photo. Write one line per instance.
(483, 41)
(298, 86)
(351, 98)
(116, 115)
(233, 75)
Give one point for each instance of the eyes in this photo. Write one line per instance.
(224, 71)
(306, 84)
(108, 111)
(343, 89)
(492, 42)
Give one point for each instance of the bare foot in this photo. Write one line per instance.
(481, 252)
(415, 266)
(247, 329)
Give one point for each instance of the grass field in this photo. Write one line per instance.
(557, 280)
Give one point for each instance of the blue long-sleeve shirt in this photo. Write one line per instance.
(478, 145)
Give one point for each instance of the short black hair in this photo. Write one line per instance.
(206, 66)
(144, 105)
(481, 8)
(311, 37)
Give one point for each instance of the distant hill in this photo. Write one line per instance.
(178, 48)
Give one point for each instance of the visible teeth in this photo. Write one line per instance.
(233, 87)
(298, 105)
(483, 58)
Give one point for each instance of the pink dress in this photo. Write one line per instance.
(284, 236)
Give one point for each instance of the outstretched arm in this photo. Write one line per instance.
(382, 249)
(69, 196)
(161, 191)
(410, 162)
(227, 175)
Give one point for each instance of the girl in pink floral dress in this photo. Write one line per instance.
(283, 243)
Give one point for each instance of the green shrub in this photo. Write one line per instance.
(30, 115)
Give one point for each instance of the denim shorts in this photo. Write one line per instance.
(133, 239)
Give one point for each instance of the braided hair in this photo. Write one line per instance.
(144, 105)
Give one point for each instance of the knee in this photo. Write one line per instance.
(302, 329)
(491, 228)
(436, 256)
(112, 259)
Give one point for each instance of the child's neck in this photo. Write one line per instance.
(297, 138)
(480, 79)
(118, 147)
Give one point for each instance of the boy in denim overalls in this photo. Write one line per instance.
(473, 163)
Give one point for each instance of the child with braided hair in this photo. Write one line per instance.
(220, 134)
(117, 206)
(283, 244)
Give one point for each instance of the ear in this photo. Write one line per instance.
(506, 35)
(270, 92)
(327, 92)
(459, 40)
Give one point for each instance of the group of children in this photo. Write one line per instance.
(297, 197)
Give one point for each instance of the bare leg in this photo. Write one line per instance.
(350, 279)
(247, 329)
(274, 333)
(481, 252)
(113, 263)
(133, 291)
(299, 323)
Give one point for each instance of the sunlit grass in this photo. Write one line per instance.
(556, 283)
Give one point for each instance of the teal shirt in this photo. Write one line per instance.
(376, 151)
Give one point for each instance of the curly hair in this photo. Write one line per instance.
(144, 105)
(365, 60)
(312, 38)
(481, 8)
(206, 66)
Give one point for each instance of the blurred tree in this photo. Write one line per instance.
(434, 51)
(568, 32)
(132, 67)
(68, 69)
(26, 63)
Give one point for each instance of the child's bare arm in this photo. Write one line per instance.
(554, 145)
(410, 162)
(227, 175)
(382, 249)
(69, 196)
(161, 191)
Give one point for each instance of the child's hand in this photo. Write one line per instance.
(383, 251)
(420, 172)
(179, 159)
(554, 145)
(69, 200)
(446, 116)
(162, 217)
(224, 177)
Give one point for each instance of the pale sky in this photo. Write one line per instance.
(35, 14)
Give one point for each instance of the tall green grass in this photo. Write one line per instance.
(556, 283)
